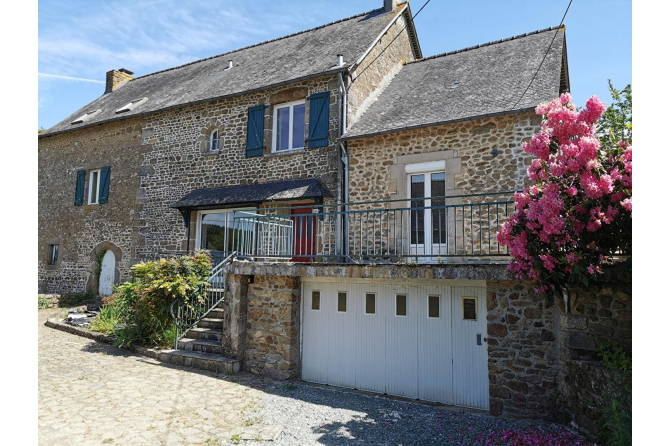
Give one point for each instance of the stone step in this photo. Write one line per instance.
(205, 334)
(199, 345)
(216, 313)
(210, 322)
(199, 360)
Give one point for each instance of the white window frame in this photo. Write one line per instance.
(428, 202)
(439, 305)
(53, 253)
(275, 112)
(198, 224)
(90, 187)
(211, 141)
(406, 304)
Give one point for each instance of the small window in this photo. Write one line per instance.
(470, 308)
(213, 144)
(401, 305)
(316, 300)
(53, 254)
(132, 105)
(289, 127)
(94, 187)
(370, 303)
(342, 302)
(433, 306)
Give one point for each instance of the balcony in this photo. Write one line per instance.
(457, 229)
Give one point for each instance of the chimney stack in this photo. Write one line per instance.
(390, 5)
(116, 78)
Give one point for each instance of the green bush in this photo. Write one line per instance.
(615, 426)
(43, 302)
(142, 305)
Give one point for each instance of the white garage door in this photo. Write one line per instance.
(417, 341)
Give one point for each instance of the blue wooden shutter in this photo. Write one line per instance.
(255, 130)
(79, 191)
(319, 103)
(104, 185)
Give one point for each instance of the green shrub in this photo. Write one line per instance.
(43, 302)
(143, 304)
(615, 425)
(108, 319)
(74, 300)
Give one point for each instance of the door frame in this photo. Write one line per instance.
(294, 217)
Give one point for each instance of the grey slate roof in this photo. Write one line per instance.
(301, 55)
(490, 77)
(254, 193)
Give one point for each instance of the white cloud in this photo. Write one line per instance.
(80, 79)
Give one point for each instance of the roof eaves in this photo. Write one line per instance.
(470, 48)
(345, 137)
(202, 101)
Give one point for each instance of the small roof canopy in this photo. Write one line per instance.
(253, 193)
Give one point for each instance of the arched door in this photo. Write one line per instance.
(107, 273)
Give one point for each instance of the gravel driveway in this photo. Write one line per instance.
(318, 415)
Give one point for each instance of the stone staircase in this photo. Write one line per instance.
(201, 346)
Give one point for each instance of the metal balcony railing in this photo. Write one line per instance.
(448, 229)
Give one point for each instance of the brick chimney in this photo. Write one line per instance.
(390, 5)
(116, 78)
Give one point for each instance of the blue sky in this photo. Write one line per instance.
(79, 40)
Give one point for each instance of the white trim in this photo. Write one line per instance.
(427, 167)
(211, 140)
(90, 187)
(132, 105)
(290, 106)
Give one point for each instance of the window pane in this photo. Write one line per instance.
(316, 300)
(400, 305)
(433, 306)
(370, 303)
(437, 189)
(283, 128)
(416, 216)
(213, 232)
(94, 187)
(299, 126)
(470, 308)
(342, 302)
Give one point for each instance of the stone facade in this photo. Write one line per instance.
(523, 354)
(378, 68)
(78, 230)
(467, 147)
(273, 331)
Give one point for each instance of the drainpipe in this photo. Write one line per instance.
(345, 159)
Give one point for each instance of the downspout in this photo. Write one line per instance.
(344, 156)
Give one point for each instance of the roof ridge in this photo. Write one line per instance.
(448, 53)
(258, 44)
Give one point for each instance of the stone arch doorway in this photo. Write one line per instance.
(104, 271)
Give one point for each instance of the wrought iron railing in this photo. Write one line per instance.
(187, 313)
(459, 228)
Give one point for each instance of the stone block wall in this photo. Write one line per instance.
(523, 353)
(601, 314)
(78, 230)
(377, 69)
(273, 331)
(177, 161)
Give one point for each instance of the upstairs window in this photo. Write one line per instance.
(94, 187)
(86, 116)
(289, 127)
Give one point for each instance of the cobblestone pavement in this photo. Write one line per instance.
(94, 394)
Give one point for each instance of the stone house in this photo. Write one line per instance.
(359, 186)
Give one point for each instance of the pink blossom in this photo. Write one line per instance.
(627, 204)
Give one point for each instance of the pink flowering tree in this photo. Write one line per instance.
(577, 212)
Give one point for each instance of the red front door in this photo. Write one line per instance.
(304, 233)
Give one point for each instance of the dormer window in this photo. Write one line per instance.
(132, 105)
(213, 143)
(86, 116)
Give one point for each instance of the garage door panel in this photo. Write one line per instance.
(401, 344)
(342, 339)
(434, 345)
(315, 339)
(470, 358)
(371, 351)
